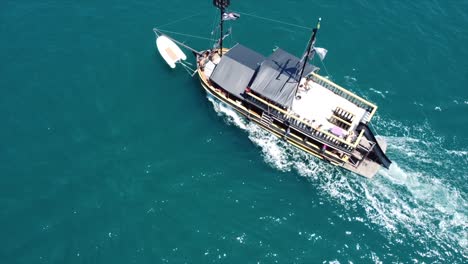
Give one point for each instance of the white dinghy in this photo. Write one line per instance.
(170, 52)
(284, 94)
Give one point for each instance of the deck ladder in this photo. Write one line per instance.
(266, 119)
(366, 117)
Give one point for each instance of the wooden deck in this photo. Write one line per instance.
(367, 168)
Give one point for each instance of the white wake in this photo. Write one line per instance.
(411, 197)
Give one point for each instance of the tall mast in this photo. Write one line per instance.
(309, 51)
(221, 4)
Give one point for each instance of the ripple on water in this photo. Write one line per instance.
(407, 197)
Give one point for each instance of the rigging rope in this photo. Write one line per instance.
(213, 28)
(187, 35)
(273, 20)
(325, 68)
(181, 19)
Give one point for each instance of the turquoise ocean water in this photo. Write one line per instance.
(109, 156)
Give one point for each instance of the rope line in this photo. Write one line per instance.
(213, 28)
(325, 68)
(181, 19)
(187, 35)
(273, 20)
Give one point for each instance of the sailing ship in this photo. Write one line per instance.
(286, 96)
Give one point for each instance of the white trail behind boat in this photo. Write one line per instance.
(407, 197)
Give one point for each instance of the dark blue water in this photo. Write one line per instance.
(108, 155)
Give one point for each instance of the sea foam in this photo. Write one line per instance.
(407, 197)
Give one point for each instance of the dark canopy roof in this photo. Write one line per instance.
(236, 69)
(277, 77)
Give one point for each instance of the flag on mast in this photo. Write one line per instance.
(230, 16)
(321, 52)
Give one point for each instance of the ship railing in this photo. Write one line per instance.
(357, 100)
(306, 128)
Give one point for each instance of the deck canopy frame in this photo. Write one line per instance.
(278, 77)
(236, 69)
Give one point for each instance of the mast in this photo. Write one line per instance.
(221, 4)
(309, 51)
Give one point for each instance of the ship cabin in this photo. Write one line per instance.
(309, 111)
